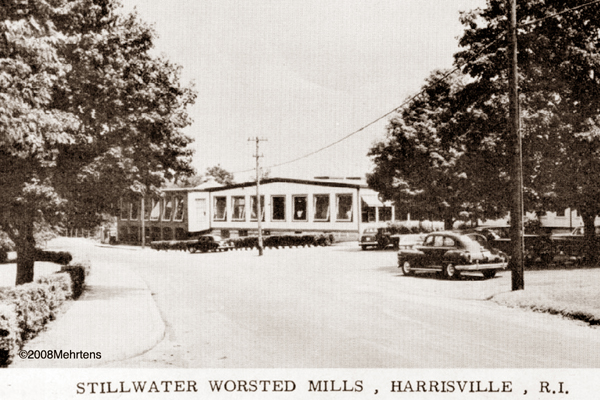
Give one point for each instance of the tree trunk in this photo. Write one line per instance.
(448, 223)
(25, 247)
(590, 244)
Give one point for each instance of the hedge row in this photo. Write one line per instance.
(403, 228)
(284, 241)
(182, 245)
(251, 242)
(57, 257)
(26, 309)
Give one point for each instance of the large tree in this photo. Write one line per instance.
(221, 175)
(87, 115)
(559, 65)
(435, 159)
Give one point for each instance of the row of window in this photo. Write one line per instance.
(132, 234)
(300, 208)
(167, 209)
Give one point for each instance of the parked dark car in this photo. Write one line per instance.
(450, 254)
(368, 238)
(573, 244)
(208, 243)
(380, 238)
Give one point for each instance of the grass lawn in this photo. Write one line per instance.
(574, 293)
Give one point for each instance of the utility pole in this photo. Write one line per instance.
(516, 212)
(143, 212)
(258, 205)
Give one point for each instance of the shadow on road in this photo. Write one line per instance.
(101, 292)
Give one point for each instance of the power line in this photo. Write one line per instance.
(558, 13)
(500, 36)
(441, 79)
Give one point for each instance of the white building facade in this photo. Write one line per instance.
(343, 208)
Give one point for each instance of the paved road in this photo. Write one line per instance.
(339, 307)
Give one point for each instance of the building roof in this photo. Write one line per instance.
(353, 185)
(217, 188)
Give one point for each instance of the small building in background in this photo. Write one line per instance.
(343, 207)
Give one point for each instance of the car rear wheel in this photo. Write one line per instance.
(489, 274)
(364, 247)
(450, 271)
(406, 268)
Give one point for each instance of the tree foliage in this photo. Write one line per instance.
(221, 175)
(436, 161)
(87, 114)
(559, 84)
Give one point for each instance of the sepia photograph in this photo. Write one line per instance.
(295, 199)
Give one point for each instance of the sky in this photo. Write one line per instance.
(301, 74)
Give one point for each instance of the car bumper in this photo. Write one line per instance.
(368, 243)
(481, 267)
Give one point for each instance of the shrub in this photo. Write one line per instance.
(60, 289)
(10, 339)
(26, 309)
(57, 257)
(77, 271)
(285, 241)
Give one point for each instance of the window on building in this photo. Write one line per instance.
(344, 207)
(155, 213)
(397, 214)
(278, 204)
(385, 214)
(155, 233)
(134, 234)
(220, 210)
(168, 211)
(300, 208)
(135, 210)
(179, 208)
(123, 234)
(254, 208)
(180, 234)
(239, 208)
(147, 208)
(124, 209)
(321, 207)
(367, 213)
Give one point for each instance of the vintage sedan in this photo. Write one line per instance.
(450, 254)
(208, 243)
(368, 238)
